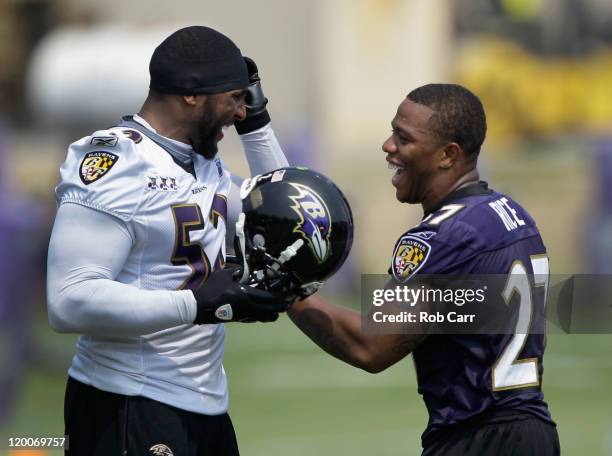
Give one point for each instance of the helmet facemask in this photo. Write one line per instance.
(266, 271)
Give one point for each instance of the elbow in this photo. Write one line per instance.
(57, 313)
(57, 323)
(373, 367)
(370, 362)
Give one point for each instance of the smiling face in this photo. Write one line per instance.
(216, 111)
(414, 151)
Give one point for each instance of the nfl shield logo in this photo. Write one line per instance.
(224, 312)
(95, 165)
(409, 256)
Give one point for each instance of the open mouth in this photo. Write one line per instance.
(399, 170)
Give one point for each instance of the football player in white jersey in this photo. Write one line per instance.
(136, 257)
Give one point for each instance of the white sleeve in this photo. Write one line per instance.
(263, 154)
(82, 295)
(262, 151)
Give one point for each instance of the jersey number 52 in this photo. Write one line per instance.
(188, 218)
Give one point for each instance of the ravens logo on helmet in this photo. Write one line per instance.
(295, 230)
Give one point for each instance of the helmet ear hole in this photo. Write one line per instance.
(296, 233)
(259, 241)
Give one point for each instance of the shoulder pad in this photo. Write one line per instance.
(103, 171)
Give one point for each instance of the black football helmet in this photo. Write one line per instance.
(294, 232)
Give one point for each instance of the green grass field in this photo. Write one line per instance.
(289, 398)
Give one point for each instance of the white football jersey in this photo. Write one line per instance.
(177, 221)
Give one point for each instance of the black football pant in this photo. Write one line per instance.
(524, 435)
(99, 423)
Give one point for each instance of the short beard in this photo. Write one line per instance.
(204, 134)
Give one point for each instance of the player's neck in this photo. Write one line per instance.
(447, 186)
(162, 120)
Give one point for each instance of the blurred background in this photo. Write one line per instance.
(335, 73)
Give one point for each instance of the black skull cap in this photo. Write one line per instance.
(197, 60)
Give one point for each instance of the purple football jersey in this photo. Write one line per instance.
(476, 230)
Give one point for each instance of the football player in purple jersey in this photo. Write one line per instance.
(482, 391)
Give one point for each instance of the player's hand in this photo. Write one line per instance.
(222, 299)
(256, 113)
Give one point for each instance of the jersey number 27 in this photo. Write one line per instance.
(508, 371)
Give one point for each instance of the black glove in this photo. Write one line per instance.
(257, 114)
(222, 299)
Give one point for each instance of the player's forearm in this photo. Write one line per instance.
(262, 151)
(109, 308)
(335, 329)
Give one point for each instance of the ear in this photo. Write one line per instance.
(449, 155)
(194, 100)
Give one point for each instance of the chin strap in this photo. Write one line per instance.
(311, 288)
(242, 245)
(287, 254)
